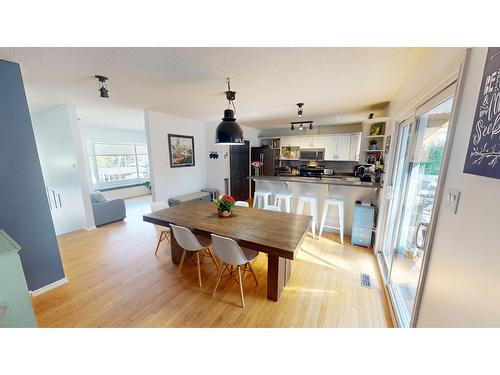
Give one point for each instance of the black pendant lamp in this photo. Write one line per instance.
(229, 132)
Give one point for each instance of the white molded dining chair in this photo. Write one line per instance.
(241, 204)
(188, 241)
(231, 254)
(164, 231)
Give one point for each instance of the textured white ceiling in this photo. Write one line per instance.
(104, 115)
(338, 85)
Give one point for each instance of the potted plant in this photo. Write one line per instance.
(225, 204)
(257, 165)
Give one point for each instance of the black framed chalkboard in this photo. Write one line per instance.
(483, 154)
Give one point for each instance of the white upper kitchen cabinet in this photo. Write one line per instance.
(355, 147)
(343, 146)
(305, 142)
(337, 146)
(290, 141)
(318, 141)
(330, 147)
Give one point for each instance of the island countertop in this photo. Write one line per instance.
(322, 181)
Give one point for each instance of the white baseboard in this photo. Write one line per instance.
(93, 227)
(46, 288)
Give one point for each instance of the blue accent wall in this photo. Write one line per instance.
(24, 209)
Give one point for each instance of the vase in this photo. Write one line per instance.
(257, 171)
(224, 213)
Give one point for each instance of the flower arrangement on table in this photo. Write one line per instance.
(225, 204)
(257, 166)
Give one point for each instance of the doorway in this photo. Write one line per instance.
(422, 140)
(239, 163)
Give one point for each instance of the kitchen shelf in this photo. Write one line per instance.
(375, 136)
(374, 150)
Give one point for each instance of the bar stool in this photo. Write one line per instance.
(287, 197)
(264, 195)
(269, 207)
(313, 202)
(241, 204)
(339, 203)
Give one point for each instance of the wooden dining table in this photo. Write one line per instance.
(278, 234)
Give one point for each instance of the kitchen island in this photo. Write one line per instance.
(348, 188)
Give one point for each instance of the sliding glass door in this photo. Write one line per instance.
(418, 160)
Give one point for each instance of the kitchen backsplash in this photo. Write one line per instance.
(337, 166)
(340, 166)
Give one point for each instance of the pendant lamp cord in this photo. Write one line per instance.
(230, 102)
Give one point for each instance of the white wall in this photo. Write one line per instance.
(99, 134)
(168, 182)
(462, 284)
(435, 66)
(61, 157)
(219, 169)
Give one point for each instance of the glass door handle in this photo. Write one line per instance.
(421, 244)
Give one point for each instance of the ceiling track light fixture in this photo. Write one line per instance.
(301, 124)
(103, 91)
(229, 132)
(300, 112)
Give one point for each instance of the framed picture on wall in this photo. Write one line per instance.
(181, 150)
(387, 144)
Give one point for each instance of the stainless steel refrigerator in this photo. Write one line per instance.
(268, 157)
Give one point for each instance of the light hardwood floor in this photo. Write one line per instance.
(115, 280)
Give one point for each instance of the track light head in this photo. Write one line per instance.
(103, 92)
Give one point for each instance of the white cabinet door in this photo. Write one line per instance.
(330, 147)
(305, 142)
(284, 141)
(355, 146)
(290, 141)
(343, 146)
(318, 141)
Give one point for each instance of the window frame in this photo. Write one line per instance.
(92, 157)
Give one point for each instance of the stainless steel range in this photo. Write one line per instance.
(311, 171)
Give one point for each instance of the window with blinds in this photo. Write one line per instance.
(116, 164)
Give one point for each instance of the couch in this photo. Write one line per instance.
(107, 211)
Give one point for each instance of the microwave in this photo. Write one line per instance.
(312, 154)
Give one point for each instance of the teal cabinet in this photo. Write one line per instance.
(15, 302)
